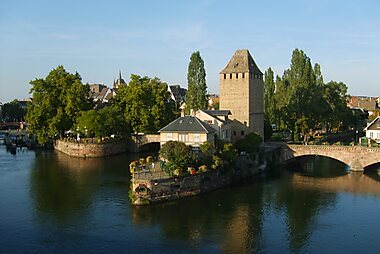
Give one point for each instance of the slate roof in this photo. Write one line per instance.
(372, 126)
(187, 124)
(240, 62)
(218, 112)
(178, 93)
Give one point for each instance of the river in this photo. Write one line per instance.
(51, 203)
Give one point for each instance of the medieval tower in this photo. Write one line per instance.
(241, 92)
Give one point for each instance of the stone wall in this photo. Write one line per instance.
(84, 150)
(151, 190)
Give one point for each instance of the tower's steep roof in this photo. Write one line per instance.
(241, 61)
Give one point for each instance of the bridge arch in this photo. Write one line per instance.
(356, 157)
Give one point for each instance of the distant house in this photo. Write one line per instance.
(373, 130)
(365, 103)
(101, 94)
(213, 101)
(217, 119)
(178, 94)
(188, 129)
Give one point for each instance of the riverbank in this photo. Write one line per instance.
(148, 187)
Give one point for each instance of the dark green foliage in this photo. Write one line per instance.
(13, 112)
(269, 89)
(177, 154)
(249, 143)
(267, 129)
(301, 102)
(196, 83)
(101, 123)
(145, 104)
(57, 101)
(229, 153)
(207, 149)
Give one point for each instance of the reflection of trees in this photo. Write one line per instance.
(303, 204)
(63, 187)
(231, 220)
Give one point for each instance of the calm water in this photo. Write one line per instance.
(50, 203)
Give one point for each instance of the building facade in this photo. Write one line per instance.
(242, 92)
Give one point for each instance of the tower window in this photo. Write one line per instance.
(237, 75)
(231, 76)
(224, 75)
(242, 75)
(242, 133)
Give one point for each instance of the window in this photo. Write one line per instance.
(242, 75)
(184, 137)
(245, 123)
(208, 121)
(231, 76)
(242, 133)
(224, 75)
(371, 134)
(169, 136)
(197, 138)
(234, 133)
(237, 75)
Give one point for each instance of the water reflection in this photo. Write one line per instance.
(63, 188)
(278, 212)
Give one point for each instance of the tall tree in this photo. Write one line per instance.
(145, 104)
(196, 83)
(269, 89)
(57, 101)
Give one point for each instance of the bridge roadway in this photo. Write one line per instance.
(357, 157)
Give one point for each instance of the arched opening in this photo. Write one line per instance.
(150, 147)
(317, 166)
(373, 171)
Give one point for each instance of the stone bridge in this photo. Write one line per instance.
(356, 157)
(140, 140)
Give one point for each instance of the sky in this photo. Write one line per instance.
(156, 39)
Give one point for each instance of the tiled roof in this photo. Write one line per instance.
(187, 124)
(240, 62)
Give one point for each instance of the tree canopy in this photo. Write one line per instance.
(13, 112)
(196, 83)
(57, 101)
(302, 102)
(145, 104)
(101, 123)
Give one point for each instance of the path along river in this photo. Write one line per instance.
(51, 203)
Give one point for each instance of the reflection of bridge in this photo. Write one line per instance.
(356, 157)
(9, 125)
(355, 183)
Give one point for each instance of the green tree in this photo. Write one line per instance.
(145, 104)
(57, 101)
(249, 143)
(13, 112)
(196, 83)
(269, 99)
(102, 123)
(177, 154)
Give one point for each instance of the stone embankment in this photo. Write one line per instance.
(91, 149)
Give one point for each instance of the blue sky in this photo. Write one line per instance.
(156, 38)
